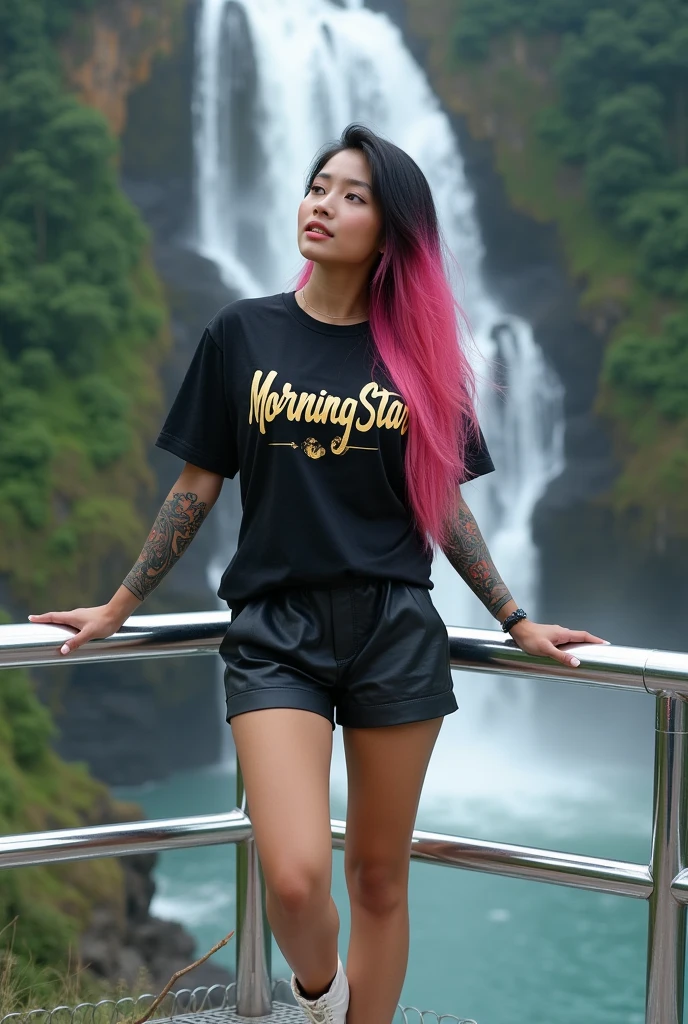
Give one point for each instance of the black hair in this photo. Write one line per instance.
(399, 186)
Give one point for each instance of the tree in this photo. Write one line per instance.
(632, 119)
(667, 62)
(597, 63)
(614, 175)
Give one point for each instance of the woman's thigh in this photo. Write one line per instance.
(386, 768)
(285, 757)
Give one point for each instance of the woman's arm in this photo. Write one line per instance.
(177, 523)
(467, 551)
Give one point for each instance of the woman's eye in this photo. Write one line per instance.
(353, 195)
(313, 188)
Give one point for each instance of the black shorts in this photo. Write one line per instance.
(376, 651)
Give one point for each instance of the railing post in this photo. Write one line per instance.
(666, 953)
(254, 939)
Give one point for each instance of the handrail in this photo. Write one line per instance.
(663, 883)
(480, 650)
(120, 840)
(157, 835)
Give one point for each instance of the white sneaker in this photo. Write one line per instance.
(331, 1006)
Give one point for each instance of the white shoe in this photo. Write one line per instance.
(331, 1006)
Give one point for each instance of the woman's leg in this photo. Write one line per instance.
(285, 757)
(386, 768)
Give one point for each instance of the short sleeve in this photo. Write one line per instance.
(478, 459)
(199, 427)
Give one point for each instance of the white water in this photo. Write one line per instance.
(275, 80)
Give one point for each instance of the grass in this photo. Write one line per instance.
(23, 988)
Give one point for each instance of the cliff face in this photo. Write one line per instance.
(110, 51)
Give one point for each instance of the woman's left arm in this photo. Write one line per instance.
(468, 553)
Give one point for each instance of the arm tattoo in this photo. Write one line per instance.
(467, 552)
(178, 522)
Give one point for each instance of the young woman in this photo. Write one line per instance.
(347, 408)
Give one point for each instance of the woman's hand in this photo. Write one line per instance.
(536, 638)
(89, 623)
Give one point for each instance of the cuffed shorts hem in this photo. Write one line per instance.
(353, 717)
(288, 696)
(397, 713)
(372, 654)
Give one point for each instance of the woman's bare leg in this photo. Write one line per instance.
(386, 768)
(285, 757)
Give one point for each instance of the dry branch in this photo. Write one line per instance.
(180, 974)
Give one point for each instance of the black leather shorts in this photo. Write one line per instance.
(375, 651)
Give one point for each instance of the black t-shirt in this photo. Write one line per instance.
(289, 403)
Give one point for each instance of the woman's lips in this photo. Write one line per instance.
(316, 228)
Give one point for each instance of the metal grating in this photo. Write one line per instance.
(282, 1013)
(214, 1005)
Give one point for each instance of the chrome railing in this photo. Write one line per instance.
(663, 883)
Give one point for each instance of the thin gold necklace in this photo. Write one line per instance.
(351, 316)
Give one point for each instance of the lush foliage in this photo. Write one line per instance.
(621, 117)
(79, 309)
(43, 909)
(80, 320)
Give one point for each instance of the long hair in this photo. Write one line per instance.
(418, 330)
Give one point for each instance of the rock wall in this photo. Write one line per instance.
(117, 948)
(111, 50)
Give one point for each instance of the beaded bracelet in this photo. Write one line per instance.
(512, 619)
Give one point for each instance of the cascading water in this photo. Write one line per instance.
(275, 80)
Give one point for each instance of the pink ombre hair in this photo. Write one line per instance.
(418, 332)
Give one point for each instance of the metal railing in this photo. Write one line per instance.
(663, 883)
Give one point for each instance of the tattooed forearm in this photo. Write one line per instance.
(177, 524)
(467, 552)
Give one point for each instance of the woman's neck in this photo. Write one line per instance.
(334, 298)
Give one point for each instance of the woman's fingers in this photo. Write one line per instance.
(580, 636)
(68, 619)
(565, 657)
(59, 618)
(76, 641)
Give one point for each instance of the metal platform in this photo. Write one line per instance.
(283, 1013)
(190, 1006)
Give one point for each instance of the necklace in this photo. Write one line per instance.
(351, 316)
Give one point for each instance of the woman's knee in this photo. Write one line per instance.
(299, 888)
(377, 885)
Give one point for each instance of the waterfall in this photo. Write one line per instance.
(275, 80)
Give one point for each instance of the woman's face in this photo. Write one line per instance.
(341, 200)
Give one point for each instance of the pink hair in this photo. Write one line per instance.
(415, 323)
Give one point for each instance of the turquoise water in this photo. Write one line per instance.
(494, 949)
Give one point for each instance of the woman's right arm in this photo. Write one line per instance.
(177, 523)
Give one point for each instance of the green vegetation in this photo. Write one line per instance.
(80, 319)
(42, 910)
(81, 331)
(608, 159)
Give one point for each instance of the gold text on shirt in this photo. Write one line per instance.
(266, 405)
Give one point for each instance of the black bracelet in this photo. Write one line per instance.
(512, 619)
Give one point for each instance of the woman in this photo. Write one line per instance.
(347, 407)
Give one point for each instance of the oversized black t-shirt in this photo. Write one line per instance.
(290, 404)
